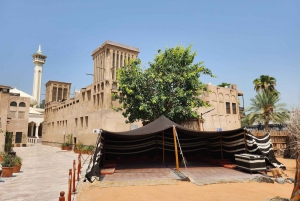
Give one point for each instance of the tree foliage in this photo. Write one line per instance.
(293, 128)
(224, 84)
(264, 83)
(265, 107)
(170, 87)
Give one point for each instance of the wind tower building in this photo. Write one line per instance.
(38, 59)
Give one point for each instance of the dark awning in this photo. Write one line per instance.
(163, 124)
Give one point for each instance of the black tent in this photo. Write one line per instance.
(165, 138)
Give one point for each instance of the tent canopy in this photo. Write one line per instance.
(162, 124)
(160, 135)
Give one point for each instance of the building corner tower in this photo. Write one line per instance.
(38, 59)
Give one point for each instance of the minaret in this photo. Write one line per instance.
(38, 59)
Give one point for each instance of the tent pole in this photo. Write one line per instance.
(175, 146)
(221, 147)
(245, 141)
(163, 144)
(199, 124)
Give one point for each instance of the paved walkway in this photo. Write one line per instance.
(43, 175)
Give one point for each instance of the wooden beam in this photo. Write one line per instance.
(175, 147)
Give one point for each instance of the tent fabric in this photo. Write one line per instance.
(263, 146)
(161, 124)
(158, 135)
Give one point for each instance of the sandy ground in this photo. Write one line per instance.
(251, 191)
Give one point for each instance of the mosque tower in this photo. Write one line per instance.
(38, 59)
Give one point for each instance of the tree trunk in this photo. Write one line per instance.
(267, 126)
(296, 192)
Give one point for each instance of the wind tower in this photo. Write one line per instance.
(38, 59)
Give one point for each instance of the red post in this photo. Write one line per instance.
(62, 196)
(79, 167)
(74, 173)
(70, 184)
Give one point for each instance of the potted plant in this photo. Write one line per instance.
(8, 165)
(78, 147)
(89, 149)
(2, 155)
(84, 150)
(69, 142)
(18, 164)
(63, 146)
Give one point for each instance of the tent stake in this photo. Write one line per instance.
(175, 146)
(163, 144)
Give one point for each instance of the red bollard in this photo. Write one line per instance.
(62, 196)
(70, 184)
(74, 173)
(79, 167)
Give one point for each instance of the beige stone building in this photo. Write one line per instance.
(14, 116)
(91, 107)
(226, 110)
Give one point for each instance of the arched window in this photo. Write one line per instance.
(22, 104)
(13, 104)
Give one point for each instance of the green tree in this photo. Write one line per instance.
(265, 107)
(170, 87)
(224, 84)
(264, 83)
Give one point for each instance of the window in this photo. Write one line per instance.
(113, 61)
(81, 122)
(21, 115)
(14, 104)
(113, 96)
(117, 66)
(86, 121)
(54, 91)
(83, 96)
(18, 137)
(121, 60)
(59, 95)
(65, 93)
(76, 120)
(12, 114)
(227, 108)
(22, 104)
(89, 95)
(233, 108)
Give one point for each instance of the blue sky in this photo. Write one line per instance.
(237, 40)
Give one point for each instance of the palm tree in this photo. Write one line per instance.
(265, 82)
(265, 108)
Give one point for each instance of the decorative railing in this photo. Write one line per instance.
(32, 140)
